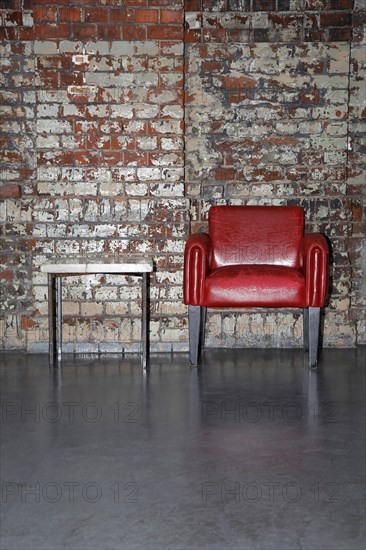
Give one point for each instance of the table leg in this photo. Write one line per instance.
(144, 320)
(51, 318)
(59, 316)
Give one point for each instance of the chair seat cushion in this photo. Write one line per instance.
(255, 285)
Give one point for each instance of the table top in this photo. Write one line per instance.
(104, 264)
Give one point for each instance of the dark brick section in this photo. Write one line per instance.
(269, 21)
(10, 192)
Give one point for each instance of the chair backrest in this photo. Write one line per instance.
(256, 235)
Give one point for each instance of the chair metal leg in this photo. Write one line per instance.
(314, 324)
(51, 318)
(145, 321)
(203, 325)
(194, 322)
(59, 316)
(306, 328)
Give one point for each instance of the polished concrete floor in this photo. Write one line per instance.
(249, 451)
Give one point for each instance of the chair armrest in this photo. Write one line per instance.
(314, 263)
(197, 261)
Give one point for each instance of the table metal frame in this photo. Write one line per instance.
(55, 305)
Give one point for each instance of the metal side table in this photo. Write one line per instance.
(81, 266)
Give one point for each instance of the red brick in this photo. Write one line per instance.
(26, 322)
(236, 35)
(135, 158)
(45, 14)
(315, 36)
(71, 79)
(316, 67)
(13, 17)
(26, 173)
(83, 30)
(356, 212)
(134, 32)
(17, 48)
(12, 191)
(96, 15)
(59, 158)
(225, 174)
(214, 35)
(51, 30)
(49, 79)
(108, 32)
(171, 16)
(192, 5)
(212, 66)
(238, 82)
(286, 21)
(110, 158)
(4, 140)
(70, 14)
(86, 157)
(238, 97)
(8, 33)
(98, 142)
(54, 62)
(7, 275)
(121, 15)
(147, 16)
(26, 33)
(335, 20)
(310, 96)
(340, 34)
(268, 174)
(192, 35)
(340, 4)
(11, 156)
(162, 32)
(359, 229)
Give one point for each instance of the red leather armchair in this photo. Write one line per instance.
(255, 256)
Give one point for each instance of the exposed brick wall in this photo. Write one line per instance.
(356, 181)
(269, 120)
(102, 153)
(94, 165)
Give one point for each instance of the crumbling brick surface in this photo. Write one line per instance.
(123, 122)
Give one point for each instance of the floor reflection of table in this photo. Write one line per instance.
(82, 266)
